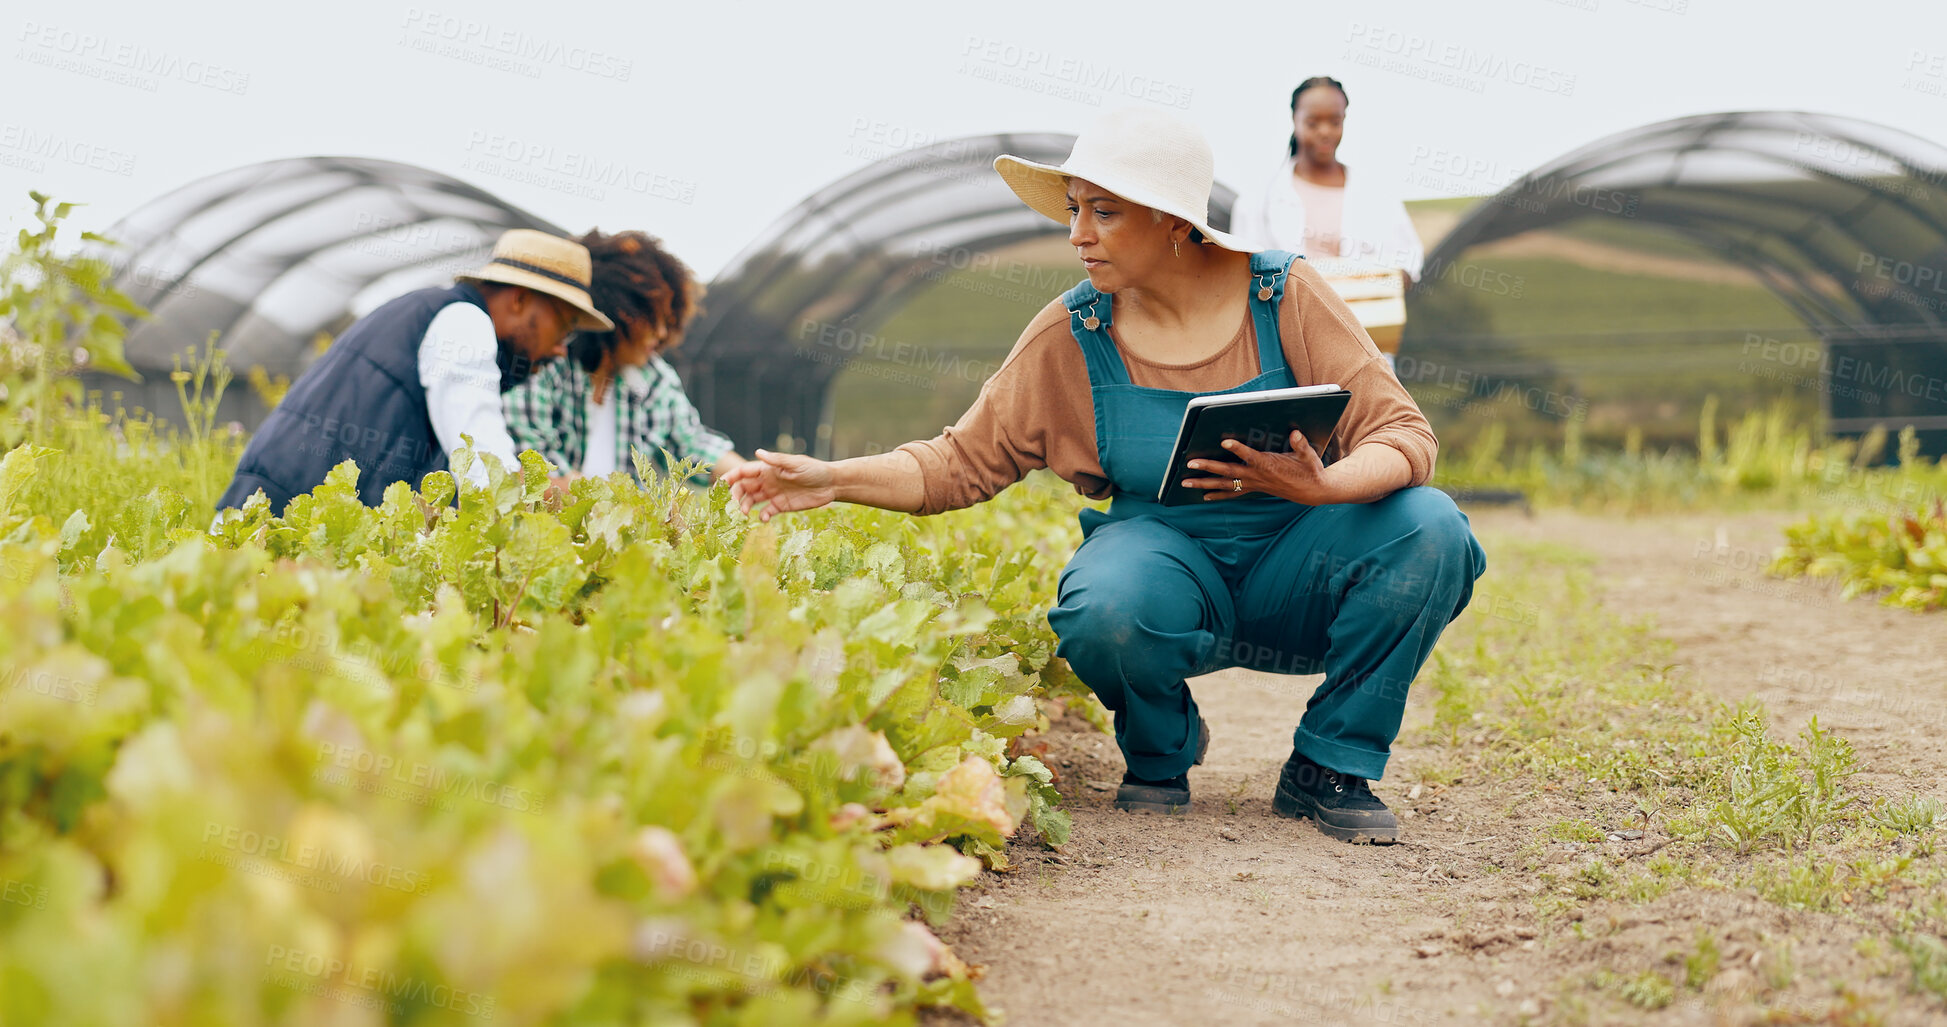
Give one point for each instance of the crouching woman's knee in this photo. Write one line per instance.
(1443, 549)
(1086, 631)
(1118, 635)
(1097, 629)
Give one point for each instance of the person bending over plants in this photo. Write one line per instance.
(614, 391)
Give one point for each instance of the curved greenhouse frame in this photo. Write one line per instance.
(844, 260)
(270, 255)
(1843, 220)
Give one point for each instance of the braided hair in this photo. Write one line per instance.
(1315, 82)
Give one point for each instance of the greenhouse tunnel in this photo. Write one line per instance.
(839, 264)
(273, 255)
(269, 256)
(1843, 220)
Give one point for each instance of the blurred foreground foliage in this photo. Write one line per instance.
(622, 756)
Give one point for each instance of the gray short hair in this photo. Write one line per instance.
(1196, 234)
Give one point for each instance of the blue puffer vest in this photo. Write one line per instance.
(362, 401)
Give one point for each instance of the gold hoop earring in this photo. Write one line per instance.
(1173, 248)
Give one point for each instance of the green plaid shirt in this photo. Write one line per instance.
(548, 414)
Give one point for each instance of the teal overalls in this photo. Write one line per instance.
(1158, 594)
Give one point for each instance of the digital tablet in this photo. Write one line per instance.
(1263, 421)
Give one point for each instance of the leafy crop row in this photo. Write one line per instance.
(481, 754)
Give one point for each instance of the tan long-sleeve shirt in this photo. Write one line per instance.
(1037, 411)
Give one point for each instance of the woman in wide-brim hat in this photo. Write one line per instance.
(1296, 563)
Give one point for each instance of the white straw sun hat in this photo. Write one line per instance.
(544, 263)
(1144, 156)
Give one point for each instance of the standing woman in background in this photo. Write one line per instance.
(1351, 227)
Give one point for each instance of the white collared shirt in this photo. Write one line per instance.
(461, 376)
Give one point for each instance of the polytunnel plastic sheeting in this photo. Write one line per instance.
(1844, 220)
(270, 255)
(265, 230)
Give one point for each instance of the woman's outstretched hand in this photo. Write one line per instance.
(781, 483)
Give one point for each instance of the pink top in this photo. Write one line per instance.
(1324, 212)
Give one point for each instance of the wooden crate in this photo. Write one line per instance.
(1377, 296)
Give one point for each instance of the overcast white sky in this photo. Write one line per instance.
(703, 122)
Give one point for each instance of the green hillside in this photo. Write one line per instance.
(1548, 338)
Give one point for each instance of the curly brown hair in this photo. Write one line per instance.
(686, 305)
(635, 280)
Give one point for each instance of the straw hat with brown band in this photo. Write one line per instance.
(541, 262)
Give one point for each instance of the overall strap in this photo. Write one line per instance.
(1268, 271)
(1089, 314)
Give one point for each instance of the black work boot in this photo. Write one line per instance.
(1343, 805)
(1171, 797)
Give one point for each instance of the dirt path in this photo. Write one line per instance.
(1875, 674)
(1230, 915)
